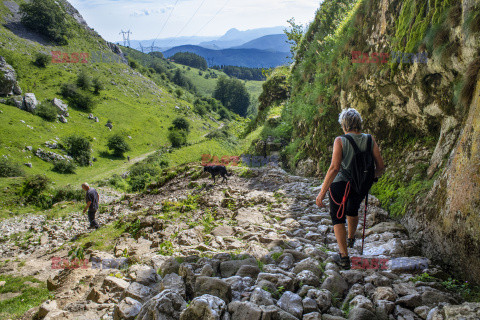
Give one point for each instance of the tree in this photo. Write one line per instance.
(78, 148)
(294, 35)
(47, 18)
(190, 59)
(181, 123)
(233, 94)
(118, 144)
(177, 138)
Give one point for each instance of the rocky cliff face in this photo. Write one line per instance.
(424, 114)
(421, 99)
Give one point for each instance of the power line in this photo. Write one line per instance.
(216, 14)
(161, 30)
(189, 20)
(126, 37)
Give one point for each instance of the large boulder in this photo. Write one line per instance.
(30, 102)
(8, 79)
(291, 303)
(167, 305)
(206, 307)
(62, 107)
(113, 284)
(230, 268)
(213, 286)
(127, 309)
(244, 311)
(138, 292)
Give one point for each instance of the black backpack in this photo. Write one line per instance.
(362, 167)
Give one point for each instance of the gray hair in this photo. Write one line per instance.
(350, 120)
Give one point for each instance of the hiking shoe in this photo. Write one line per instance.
(350, 242)
(342, 262)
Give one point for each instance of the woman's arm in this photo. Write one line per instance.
(377, 157)
(332, 171)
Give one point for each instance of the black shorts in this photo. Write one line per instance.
(337, 190)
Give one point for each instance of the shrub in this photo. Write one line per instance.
(97, 85)
(140, 176)
(42, 60)
(177, 138)
(84, 80)
(32, 190)
(83, 101)
(67, 193)
(64, 167)
(78, 148)
(69, 90)
(181, 124)
(47, 111)
(10, 169)
(47, 18)
(118, 144)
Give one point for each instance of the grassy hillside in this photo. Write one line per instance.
(140, 110)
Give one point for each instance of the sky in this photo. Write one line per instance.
(150, 19)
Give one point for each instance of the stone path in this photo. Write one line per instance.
(255, 248)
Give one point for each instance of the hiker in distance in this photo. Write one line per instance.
(92, 199)
(356, 162)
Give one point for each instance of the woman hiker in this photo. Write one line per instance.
(336, 181)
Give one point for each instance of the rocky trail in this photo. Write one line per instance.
(255, 248)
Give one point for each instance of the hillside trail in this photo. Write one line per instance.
(256, 247)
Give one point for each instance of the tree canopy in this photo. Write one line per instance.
(190, 59)
(47, 18)
(233, 94)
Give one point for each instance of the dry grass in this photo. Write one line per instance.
(470, 81)
(454, 15)
(442, 37)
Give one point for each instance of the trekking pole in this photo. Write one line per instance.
(364, 223)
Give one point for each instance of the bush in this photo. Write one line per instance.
(83, 101)
(42, 60)
(181, 124)
(47, 18)
(9, 169)
(69, 90)
(78, 148)
(64, 167)
(177, 138)
(118, 144)
(47, 111)
(140, 176)
(97, 85)
(32, 190)
(84, 80)
(67, 193)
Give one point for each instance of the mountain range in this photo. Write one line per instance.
(254, 48)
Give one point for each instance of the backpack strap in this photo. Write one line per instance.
(354, 145)
(352, 142)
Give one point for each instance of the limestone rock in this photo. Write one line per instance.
(205, 307)
(244, 310)
(229, 268)
(261, 297)
(167, 305)
(213, 286)
(292, 303)
(47, 307)
(127, 309)
(8, 79)
(113, 284)
(138, 292)
(30, 102)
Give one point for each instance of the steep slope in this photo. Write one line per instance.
(139, 109)
(423, 113)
